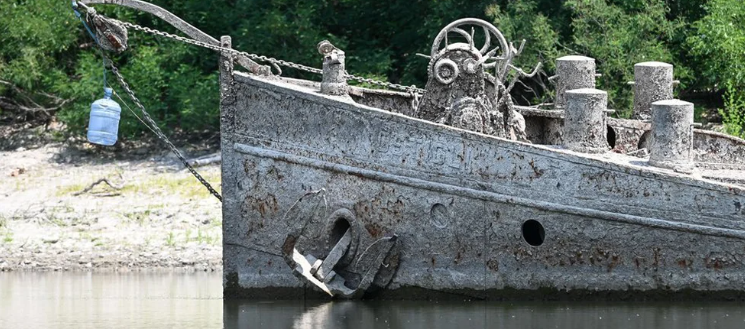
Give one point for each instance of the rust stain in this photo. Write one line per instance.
(614, 261)
(274, 171)
(374, 229)
(289, 245)
(249, 167)
(685, 263)
(263, 205)
(538, 172)
(717, 263)
(656, 262)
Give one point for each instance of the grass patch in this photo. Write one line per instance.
(170, 239)
(7, 236)
(183, 185)
(57, 215)
(69, 189)
(139, 217)
(216, 222)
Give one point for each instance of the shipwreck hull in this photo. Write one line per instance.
(458, 203)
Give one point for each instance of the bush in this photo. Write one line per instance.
(48, 61)
(733, 114)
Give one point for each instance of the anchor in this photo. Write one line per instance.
(359, 273)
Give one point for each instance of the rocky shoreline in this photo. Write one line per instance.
(151, 216)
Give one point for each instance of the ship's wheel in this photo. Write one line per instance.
(445, 71)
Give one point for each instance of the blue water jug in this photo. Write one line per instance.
(103, 126)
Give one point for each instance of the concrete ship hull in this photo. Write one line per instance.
(474, 215)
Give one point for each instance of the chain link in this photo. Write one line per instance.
(218, 48)
(159, 133)
(261, 58)
(413, 90)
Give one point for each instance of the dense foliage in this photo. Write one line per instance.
(49, 64)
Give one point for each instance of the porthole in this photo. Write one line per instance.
(533, 232)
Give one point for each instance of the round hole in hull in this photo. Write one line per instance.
(533, 232)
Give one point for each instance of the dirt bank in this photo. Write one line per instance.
(156, 217)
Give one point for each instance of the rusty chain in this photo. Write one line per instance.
(261, 58)
(158, 132)
(148, 121)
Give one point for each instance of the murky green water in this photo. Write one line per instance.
(84, 300)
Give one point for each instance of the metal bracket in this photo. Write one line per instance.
(182, 26)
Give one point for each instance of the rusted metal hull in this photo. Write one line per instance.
(458, 203)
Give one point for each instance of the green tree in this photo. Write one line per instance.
(619, 34)
(38, 48)
(718, 46)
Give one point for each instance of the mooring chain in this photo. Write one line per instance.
(218, 48)
(385, 84)
(158, 132)
(261, 58)
(413, 90)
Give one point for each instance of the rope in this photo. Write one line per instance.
(150, 123)
(146, 119)
(93, 35)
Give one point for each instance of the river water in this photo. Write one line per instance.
(136, 300)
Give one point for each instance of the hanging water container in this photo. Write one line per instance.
(103, 126)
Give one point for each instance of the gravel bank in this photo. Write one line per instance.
(158, 218)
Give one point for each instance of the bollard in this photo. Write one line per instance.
(584, 121)
(573, 72)
(653, 81)
(672, 135)
(334, 81)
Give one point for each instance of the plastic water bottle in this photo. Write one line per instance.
(103, 127)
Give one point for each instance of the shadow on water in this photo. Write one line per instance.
(433, 315)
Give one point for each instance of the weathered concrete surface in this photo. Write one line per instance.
(458, 202)
(457, 96)
(334, 73)
(584, 120)
(672, 135)
(653, 81)
(574, 72)
(712, 149)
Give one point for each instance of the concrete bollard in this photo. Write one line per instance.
(573, 72)
(334, 81)
(584, 121)
(672, 135)
(653, 81)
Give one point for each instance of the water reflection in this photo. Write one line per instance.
(434, 315)
(85, 300)
(132, 300)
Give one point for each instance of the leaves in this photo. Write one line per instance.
(45, 50)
